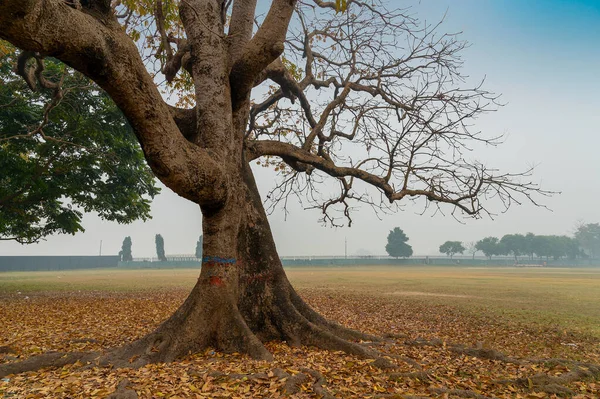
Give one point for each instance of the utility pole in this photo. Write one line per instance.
(100, 247)
(346, 247)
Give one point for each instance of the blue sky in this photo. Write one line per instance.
(543, 56)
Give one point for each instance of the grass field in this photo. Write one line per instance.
(458, 333)
(567, 299)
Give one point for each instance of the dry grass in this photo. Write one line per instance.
(552, 297)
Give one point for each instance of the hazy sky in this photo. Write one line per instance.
(543, 56)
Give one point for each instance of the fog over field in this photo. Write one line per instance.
(542, 56)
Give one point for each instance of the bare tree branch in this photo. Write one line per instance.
(379, 80)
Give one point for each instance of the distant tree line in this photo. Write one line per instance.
(584, 244)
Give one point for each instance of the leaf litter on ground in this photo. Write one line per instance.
(496, 358)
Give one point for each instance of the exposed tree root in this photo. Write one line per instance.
(55, 359)
(315, 318)
(479, 352)
(423, 342)
(398, 396)
(229, 332)
(417, 375)
(540, 382)
(556, 384)
(394, 336)
(284, 316)
(463, 393)
(123, 391)
(319, 384)
(295, 381)
(484, 353)
(306, 327)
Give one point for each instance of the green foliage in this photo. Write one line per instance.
(543, 246)
(125, 253)
(451, 248)
(84, 159)
(555, 247)
(396, 244)
(160, 248)
(490, 246)
(514, 244)
(588, 237)
(199, 247)
(295, 70)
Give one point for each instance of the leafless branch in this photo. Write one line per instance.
(380, 82)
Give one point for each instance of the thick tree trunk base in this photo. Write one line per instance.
(288, 318)
(199, 324)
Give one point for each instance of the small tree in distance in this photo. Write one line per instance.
(126, 250)
(471, 248)
(452, 247)
(490, 246)
(396, 244)
(160, 248)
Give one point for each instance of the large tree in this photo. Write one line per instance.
(64, 149)
(372, 99)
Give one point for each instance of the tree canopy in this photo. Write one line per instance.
(514, 244)
(397, 244)
(544, 246)
(65, 150)
(451, 248)
(490, 246)
(125, 253)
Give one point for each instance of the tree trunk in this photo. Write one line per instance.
(242, 298)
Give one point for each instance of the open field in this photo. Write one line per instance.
(562, 298)
(527, 314)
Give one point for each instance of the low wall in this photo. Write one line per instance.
(41, 263)
(170, 264)
(434, 261)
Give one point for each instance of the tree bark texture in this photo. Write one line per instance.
(242, 297)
